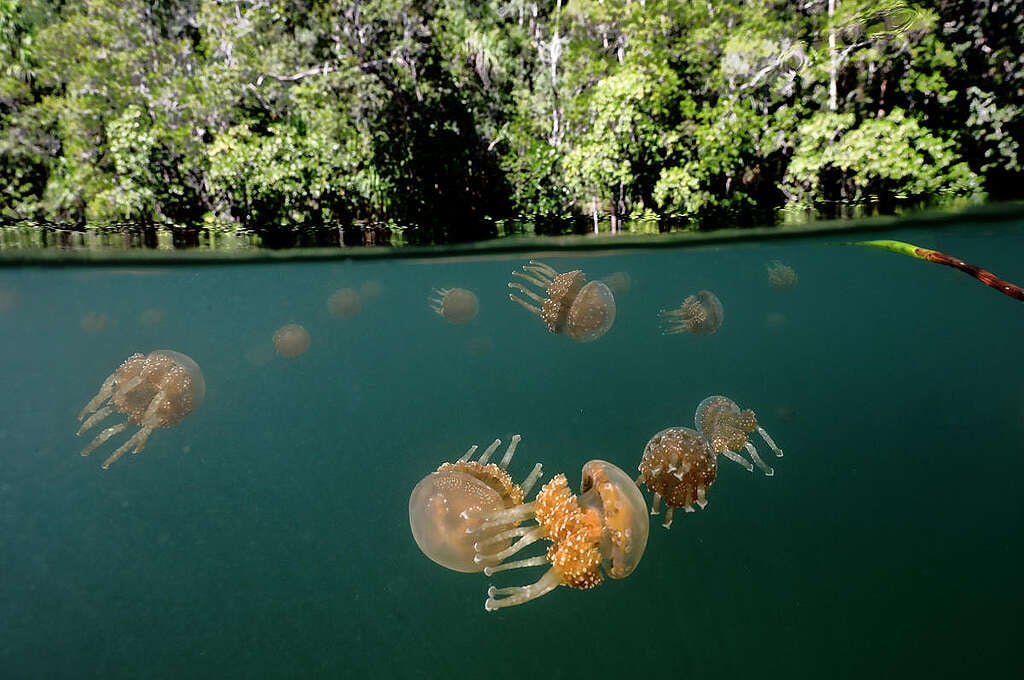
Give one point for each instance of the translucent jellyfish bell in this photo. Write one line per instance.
(583, 311)
(155, 390)
(291, 340)
(602, 532)
(781, 276)
(699, 314)
(679, 466)
(444, 506)
(456, 305)
(726, 428)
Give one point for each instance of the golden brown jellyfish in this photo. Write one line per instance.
(456, 305)
(679, 466)
(344, 303)
(602, 532)
(95, 322)
(726, 428)
(781, 276)
(154, 390)
(444, 504)
(584, 311)
(619, 282)
(291, 340)
(699, 314)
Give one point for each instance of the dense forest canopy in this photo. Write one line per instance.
(456, 114)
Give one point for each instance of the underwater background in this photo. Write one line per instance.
(267, 535)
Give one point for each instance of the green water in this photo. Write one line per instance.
(267, 535)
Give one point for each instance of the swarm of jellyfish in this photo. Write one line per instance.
(699, 314)
(152, 390)
(565, 302)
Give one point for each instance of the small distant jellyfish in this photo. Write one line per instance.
(619, 282)
(781, 276)
(456, 305)
(726, 428)
(8, 299)
(679, 466)
(444, 505)
(371, 289)
(583, 311)
(344, 303)
(95, 323)
(291, 340)
(602, 532)
(699, 314)
(155, 390)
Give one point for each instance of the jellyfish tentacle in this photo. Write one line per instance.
(516, 595)
(539, 282)
(468, 454)
(765, 468)
(137, 440)
(149, 416)
(541, 267)
(738, 459)
(702, 497)
(533, 535)
(104, 436)
(525, 563)
(512, 515)
(489, 451)
(510, 451)
(106, 390)
(531, 479)
(501, 537)
(95, 418)
(668, 517)
(769, 441)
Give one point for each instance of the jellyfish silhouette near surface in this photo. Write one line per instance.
(456, 305)
(727, 430)
(344, 303)
(602, 532)
(444, 504)
(155, 390)
(781, 276)
(678, 466)
(699, 314)
(583, 311)
(291, 340)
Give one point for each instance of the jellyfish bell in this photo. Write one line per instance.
(699, 314)
(600, 533)
(583, 311)
(152, 391)
(456, 305)
(678, 466)
(344, 303)
(727, 428)
(291, 340)
(619, 282)
(781, 276)
(445, 506)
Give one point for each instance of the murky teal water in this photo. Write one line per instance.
(267, 535)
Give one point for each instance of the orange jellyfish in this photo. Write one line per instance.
(781, 276)
(726, 428)
(584, 311)
(155, 390)
(291, 340)
(679, 466)
(344, 303)
(602, 532)
(456, 305)
(444, 504)
(699, 314)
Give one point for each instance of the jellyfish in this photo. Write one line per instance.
(781, 276)
(456, 305)
(679, 466)
(584, 311)
(155, 390)
(699, 314)
(619, 282)
(291, 340)
(602, 532)
(344, 303)
(726, 428)
(444, 504)
(95, 322)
